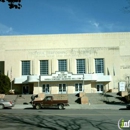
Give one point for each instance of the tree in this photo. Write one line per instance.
(13, 3)
(4, 84)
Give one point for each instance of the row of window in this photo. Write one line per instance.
(62, 66)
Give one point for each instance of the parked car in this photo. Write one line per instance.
(6, 104)
(128, 106)
(49, 102)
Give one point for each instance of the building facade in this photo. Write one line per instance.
(66, 63)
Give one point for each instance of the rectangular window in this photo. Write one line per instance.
(62, 64)
(43, 67)
(25, 67)
(99, 65)
(81, 66)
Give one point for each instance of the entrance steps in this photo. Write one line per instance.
(97, 98)
(19, 99)
(94, 98)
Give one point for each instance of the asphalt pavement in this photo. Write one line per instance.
(80, 106)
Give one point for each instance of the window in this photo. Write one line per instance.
(25, 67)
(99, 65)
(48, 98)
(62, 64)
(80, 66)
(43, 67)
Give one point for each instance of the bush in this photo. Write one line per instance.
(4, 84)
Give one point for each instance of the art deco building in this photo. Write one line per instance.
(66, 63)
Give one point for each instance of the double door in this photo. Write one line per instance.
(62, 88)
(45, 88)
(25, 89)
(78, 87)
(99, 88)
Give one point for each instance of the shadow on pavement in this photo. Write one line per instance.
(124, 109)
(30, 108)
(114, 103)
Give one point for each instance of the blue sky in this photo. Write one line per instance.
(64, 17)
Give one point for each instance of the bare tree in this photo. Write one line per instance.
(13, 3)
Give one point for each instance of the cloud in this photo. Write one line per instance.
(5, 30)
(94, 26)
(93, 23)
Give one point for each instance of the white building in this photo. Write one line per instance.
(66, 63)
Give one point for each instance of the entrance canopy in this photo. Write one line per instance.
(63, 76)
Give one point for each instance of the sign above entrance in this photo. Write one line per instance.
(62, 75)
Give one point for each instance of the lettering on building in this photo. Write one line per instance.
(125, 67)
(74, 52)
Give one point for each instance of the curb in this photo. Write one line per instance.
(93, 106)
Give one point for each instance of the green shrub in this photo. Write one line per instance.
(4, 84)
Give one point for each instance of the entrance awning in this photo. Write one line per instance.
(63, 76)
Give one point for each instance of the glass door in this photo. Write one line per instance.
(45, 88)
(78, 87)
(25, 89)
(99, 88)
(62, 88)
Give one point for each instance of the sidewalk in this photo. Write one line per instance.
(79, 106)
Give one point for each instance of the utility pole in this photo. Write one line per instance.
(128, 82)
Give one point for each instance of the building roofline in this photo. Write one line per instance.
(99, 33)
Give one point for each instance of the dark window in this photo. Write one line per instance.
(99, 65)
(62, 64)
(43, 67)
(25, 67)
(80, 66)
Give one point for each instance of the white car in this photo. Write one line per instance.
(6, 104)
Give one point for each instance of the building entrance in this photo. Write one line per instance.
(62, 88)
(99, 88)
(78, 87)
(45, 88)
(25, 89)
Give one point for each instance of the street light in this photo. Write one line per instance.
(38, 83)
(128, 82)
(83, 82)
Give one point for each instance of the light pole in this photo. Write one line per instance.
(83, 82)
(128, 82)
(38, 83)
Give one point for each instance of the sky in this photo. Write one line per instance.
(64, 17)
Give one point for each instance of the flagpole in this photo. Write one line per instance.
(113, 77)
(11, 84)
(11, 77)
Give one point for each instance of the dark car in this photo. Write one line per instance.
(6, 104)
(128, 106)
